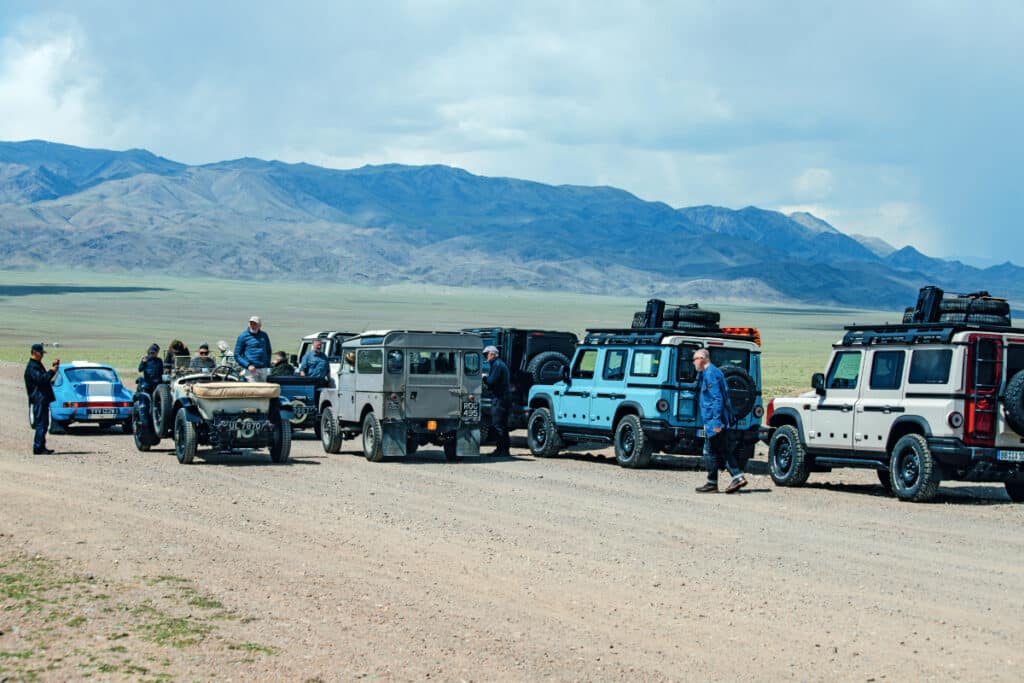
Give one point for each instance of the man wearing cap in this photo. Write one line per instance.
(252, 351)
(38, 385)
(498, 380)
(152, 369)
(202, 361)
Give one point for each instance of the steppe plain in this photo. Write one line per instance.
(119, 565)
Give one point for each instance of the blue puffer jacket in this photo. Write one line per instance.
(253, 349)
(715, 406)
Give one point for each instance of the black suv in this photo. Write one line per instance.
(532, 357)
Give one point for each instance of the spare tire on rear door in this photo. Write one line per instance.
(742, 390)
(1013, 402)
(546, 367)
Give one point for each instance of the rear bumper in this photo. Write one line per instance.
(978, 463)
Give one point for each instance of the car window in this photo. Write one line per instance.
(844, 371)
(472, 363)
(930, 366)
(722, 357)
(432, 363)
(395, 361)
(76, 375)
(646, 363)
(583, 368)
(685, 372)
(370, 361)
(887, 370)
(615, 364)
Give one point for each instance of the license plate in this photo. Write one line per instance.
(101, 411)
(470, 411)
(1010, 456)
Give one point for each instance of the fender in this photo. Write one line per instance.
(789, 413)
(285, 409)
(628, 406)
(920, 426)
(541, 400)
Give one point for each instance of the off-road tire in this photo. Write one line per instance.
(330, 434)
(638, 320)
(787, 457)
(1013, 402)
(542, 435)
(975, 305)
(742, 390)
(373, 449)
(908, 314)
(144, 436)
(184, 438)
(885, 480)
(1015, 490)
(280, 439)
(546, 367)
(162, 407)
(632, 448)
(298, 416)
(703, 316)
(914, 474)
(451, 447)
(976, 318)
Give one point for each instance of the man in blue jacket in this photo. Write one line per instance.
(252, 351)
(717, 416)
(315, 364)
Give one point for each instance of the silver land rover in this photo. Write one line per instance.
(402, 389)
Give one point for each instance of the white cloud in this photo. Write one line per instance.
(48, 88)
(813, 184)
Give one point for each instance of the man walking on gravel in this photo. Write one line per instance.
(717, 416)
(252, 350)
(39, 385)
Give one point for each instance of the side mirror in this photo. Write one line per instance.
(818, 382)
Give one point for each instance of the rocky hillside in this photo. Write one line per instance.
(257, 219)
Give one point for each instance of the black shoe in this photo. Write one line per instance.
(707, 488)
(500, 454)
(42, 451)
(736, 484)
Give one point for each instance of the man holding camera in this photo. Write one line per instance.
(38, 384)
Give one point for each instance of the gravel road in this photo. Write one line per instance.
(528, 569)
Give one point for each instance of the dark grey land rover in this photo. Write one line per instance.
(401, 389)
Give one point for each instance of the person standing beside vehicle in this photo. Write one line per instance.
(315, 364)
(717, 416)
(39, 386)
(252, 351)
(498, 380)
(152, 369)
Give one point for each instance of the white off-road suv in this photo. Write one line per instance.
(919, 402)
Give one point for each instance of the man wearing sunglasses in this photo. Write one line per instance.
(202, 361)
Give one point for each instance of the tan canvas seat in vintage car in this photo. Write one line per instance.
(215, 390)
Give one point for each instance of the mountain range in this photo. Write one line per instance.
(252, 219)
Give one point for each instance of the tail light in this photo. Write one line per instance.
(771, 410)
(984, 374)
(98, 404)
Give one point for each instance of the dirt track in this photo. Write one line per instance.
(526, 569)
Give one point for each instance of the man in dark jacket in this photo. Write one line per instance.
(499, 381)
(38, 385)
(152, 369)
(717, 416)
(252, 350)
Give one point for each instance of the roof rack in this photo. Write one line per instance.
(651, 335)
(914, 333)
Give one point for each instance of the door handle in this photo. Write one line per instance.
(846, 408)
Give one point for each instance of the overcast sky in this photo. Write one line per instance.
(895, 119)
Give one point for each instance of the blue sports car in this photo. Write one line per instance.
(91, 393)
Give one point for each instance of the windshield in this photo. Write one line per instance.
(78, 375)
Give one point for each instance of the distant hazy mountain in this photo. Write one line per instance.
(248, 218)
(877, 245)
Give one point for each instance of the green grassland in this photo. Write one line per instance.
(113, 318)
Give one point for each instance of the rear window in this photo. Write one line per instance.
(370, 361)
(930, 366)
(646, 363)
(432, 363)
(721, 357)
(395, 361)
(471, 362)
(76, 375)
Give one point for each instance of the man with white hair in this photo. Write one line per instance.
(717, 416)
(499, 381)
(252, 351)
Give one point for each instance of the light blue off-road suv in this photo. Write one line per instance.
(637, 390)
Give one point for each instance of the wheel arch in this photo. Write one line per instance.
(907, 424)
(542, 400)
(626, 408)
(788, 416)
